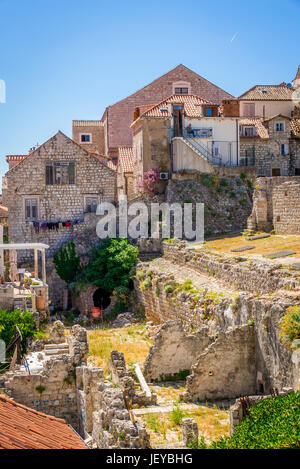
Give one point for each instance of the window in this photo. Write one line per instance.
(208, 112)
(60, 173)
(85, 138)
(181, 91)
(279, 127)
(91, 204)
(284, 149)
(248, 131)
(31, 209)
(249, 110)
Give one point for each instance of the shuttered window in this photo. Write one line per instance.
(60, 173)
(31, 209)
(91, 204)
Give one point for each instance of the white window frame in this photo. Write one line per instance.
(279, 124)
(85, 133)
(182, 84)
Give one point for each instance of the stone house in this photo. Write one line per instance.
(267, 101)
(182, 133)
(271, 144)
(113, 130)
(51, 192)
(125, 169)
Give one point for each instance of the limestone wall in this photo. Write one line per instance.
(226, 369)
(274, 362)
(254, 276)
(286, 208)
(174, 351)
(262, 216)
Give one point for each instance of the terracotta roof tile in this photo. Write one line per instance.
(262, 131)
(126, 159)
(25, 428)
(190, 103)
(295, 127)
(268, 93)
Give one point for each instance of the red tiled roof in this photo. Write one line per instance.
(268, 93)
(120, 115)
(110, 165)
(262, 131)
(25, 428)
(126, 159)
(295, 127)
(190, 104)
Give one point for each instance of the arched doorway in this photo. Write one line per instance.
(101, 298)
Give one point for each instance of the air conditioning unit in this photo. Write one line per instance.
(164, 176)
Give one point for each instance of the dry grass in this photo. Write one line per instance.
(129, 340)
(168, 393)
(213, 423)
(262, 246)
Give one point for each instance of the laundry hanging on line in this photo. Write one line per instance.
(55, 225)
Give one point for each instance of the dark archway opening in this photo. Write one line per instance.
(101, 298)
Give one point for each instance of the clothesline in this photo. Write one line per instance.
(55, 225)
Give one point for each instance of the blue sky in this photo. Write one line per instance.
(69, 59)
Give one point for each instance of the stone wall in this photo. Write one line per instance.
(174, 351)
(125, 380)
(113, 427)
(50, 387)
(262, 216)
(274, 361)
(226, 369)
(286, 208)
(227, 200)
(241, 273)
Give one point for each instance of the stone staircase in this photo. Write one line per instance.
(56, 349)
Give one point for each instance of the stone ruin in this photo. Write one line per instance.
(125, 380)
(217, 367)
(58, 381)
(172, 341)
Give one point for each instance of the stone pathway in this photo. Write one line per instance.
(199, 280)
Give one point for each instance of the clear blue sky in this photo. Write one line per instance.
(69, 59)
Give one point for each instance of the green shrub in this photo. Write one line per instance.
(243, 175)
(273, 424)
(207, 180)
(290, 326)
(250, 184)
(224, 183)
(176, 415)
(112, 265)
(67, 263)
(169, 288)
(22, 319)
(140, 275)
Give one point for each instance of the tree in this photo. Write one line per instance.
(111, 264)
(67, 263)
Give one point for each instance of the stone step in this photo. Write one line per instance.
(56, 346)
(57, 351)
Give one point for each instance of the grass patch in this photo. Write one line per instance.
(129, 340)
